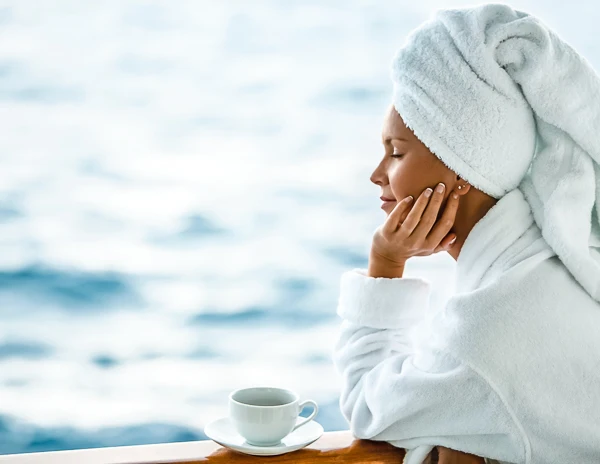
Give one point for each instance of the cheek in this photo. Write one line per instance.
(404, 181)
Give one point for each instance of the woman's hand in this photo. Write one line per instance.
(450, 456)
(409, 232)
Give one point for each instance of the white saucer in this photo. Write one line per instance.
(223, 432)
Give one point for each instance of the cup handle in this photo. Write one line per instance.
(301, 406)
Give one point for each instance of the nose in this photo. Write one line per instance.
(377, 175)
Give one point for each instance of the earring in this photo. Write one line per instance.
(459, 187)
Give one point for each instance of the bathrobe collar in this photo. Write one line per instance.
(492, 236)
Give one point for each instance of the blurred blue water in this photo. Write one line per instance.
(19, 437)
(182, 186)
(74, 290)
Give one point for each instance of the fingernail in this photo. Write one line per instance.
(409, 198)
(440, 188)
(455, 195)
(453, 240)
(428, 192)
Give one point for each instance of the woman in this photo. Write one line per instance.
(509, 369)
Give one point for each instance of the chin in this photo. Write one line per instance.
(388, 207)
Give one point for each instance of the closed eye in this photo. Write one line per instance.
(397, 155)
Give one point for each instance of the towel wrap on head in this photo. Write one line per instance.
(505, 103)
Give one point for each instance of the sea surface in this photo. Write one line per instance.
(182, 184)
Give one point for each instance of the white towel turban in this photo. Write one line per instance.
(505, 103)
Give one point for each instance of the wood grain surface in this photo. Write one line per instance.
(332, 447)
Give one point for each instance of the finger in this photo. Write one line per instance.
(431, 212)
(404, 214)
(414, 216)
(445, 222)
(393, 220)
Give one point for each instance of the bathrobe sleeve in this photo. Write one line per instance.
(397, 387)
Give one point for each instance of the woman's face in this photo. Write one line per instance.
(407, 167)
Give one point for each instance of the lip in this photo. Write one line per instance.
(386, 199)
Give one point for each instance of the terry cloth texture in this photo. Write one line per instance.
(508, 369)
(504, 102)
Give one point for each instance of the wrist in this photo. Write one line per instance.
(385, 269)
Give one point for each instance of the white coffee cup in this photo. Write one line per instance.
(265, 415)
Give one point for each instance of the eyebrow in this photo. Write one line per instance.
(389, 139)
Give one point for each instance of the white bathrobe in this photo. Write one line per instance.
(509, 369)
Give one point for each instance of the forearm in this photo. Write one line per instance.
(358, 351)
(378, 316)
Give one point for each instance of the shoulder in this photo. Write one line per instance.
(529, 283)
(507, 309)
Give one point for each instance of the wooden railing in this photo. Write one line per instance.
(332, 447)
